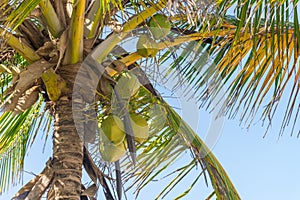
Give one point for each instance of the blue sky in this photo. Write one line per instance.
(260, 168)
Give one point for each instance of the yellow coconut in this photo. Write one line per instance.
(140, 127)
(160, 26)
(146, 46)
(113, 129)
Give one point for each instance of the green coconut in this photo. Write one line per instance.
(146, 46)
(111, 152)
(128, 85)
(140, 128)
(160, 26)
(113, 129)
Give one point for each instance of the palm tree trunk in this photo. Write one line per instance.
(67, 154)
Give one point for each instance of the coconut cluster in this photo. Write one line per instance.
(113, 136)
(113, 144)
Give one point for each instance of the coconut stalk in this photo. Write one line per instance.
(95, 16)
(18, 45)
(74, 51)
(51, 18)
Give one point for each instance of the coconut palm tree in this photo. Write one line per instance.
(61, 67)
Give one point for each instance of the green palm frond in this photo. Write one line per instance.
(223, 187)
(170, 139)
(54, 24)
(18, 45)
(15, 12)
(17, 132)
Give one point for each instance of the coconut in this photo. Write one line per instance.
(140, 128)
(128, 85)
(146, 46)
(111, 152)
(113, 129)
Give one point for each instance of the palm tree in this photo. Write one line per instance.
(47, 69)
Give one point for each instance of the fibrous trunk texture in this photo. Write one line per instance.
(67, 154)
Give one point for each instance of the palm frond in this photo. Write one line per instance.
(255, 57)
(170, 139)
(17, 132)
(74, 51)
(18, 45)
(15, 12)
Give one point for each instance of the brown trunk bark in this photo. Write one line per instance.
(67, 154)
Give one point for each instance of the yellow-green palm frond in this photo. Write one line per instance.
(15, 12)
(255, 57)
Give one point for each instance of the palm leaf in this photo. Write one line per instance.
(17, 132)
(17, 11)
(255, 57)
(167, 143)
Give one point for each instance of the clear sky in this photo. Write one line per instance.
(260, 168)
